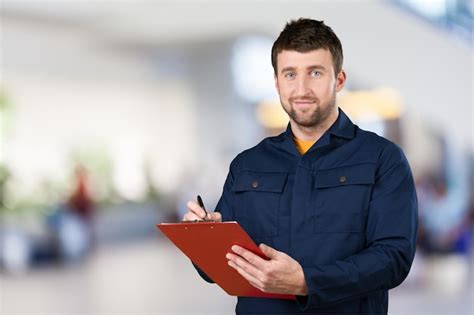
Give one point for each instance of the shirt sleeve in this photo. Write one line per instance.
(224, 206)
(390, 241)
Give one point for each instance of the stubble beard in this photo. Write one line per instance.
(311, 119)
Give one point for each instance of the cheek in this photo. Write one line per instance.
(325, 90)
(284, 91)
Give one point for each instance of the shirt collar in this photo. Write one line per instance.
(343, 127)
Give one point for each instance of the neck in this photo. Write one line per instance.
(313, 133)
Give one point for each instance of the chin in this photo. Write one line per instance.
(305, 123)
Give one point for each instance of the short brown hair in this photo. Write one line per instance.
(305, 35)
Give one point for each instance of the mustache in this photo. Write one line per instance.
(304, 98)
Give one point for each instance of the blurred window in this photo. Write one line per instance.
(456, 16)
(252, 68)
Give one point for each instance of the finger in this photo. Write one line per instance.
(196, 209)
(191, 216)
(253, 259)
(251, 279)
(269, 251)
(244, 265)
(215, 216)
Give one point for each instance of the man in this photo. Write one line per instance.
(332, 206)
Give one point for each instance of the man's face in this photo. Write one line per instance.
(307, 85)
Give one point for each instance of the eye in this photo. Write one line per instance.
(289, 75)
(316, 73)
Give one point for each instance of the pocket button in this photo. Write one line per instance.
(254, 184)
(342, 179)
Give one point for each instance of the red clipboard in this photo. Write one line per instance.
(207, 243)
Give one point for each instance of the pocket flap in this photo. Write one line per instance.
(346, 175)
(259, 181)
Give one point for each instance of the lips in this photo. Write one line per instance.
(303, 104)
(303, 101)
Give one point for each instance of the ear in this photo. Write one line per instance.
(340, 80)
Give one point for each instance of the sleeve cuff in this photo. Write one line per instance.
(306, 302)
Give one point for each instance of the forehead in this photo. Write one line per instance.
(294, 59)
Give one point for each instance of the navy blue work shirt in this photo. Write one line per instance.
(346, 210)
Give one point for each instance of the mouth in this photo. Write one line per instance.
(303, 104)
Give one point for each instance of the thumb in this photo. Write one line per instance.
(269, 251)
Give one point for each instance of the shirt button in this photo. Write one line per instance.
(254, 184)
(342, 179)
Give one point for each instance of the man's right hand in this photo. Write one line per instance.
(197, 213)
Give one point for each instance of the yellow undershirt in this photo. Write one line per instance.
(303, 145)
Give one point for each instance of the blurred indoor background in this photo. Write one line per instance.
(115, 113)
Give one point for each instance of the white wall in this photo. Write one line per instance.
(107, 63)
(71, 94)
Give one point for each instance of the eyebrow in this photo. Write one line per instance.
(321, 67)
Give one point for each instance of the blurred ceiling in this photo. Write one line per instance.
(158, 22)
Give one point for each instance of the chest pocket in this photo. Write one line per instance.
(341, 197)
(258, 197)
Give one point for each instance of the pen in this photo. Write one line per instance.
(201, 204)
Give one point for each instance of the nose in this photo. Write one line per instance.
(302, 86)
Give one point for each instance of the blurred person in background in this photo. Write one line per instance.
(81, 203)
(71, 223)
(333, 206)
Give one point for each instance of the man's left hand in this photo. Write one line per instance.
(281, 274)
